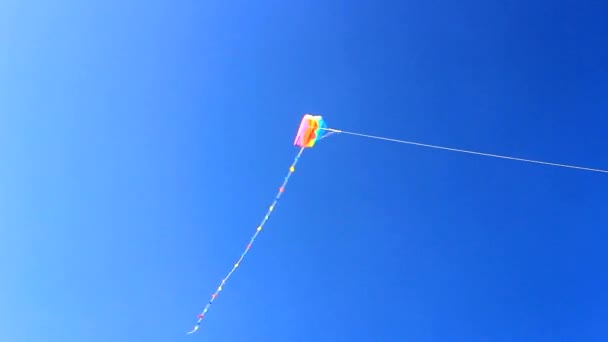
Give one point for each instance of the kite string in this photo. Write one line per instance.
(466, 151)
(251, 241)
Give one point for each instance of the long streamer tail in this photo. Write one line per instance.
(467, 151)
(292, 169)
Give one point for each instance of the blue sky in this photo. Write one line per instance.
(142, 142)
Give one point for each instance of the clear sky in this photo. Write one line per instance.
(142, 141)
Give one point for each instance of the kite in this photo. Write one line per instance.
(314, 128)
(310, 130)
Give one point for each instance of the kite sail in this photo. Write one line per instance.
(312, 129)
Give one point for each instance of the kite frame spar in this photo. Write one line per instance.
(309, 132)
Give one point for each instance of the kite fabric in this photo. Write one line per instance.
(307, 136)
(310, 131)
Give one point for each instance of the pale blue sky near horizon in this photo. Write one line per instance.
(142, 143)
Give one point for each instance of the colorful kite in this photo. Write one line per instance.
(312, 129)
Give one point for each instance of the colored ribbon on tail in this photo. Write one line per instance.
(292, 169)
(193, 330)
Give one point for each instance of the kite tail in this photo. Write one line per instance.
(292, 169)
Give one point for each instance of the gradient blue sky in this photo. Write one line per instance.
(142, 141)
